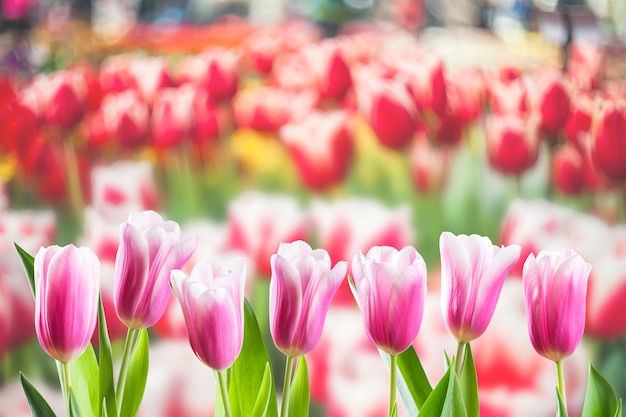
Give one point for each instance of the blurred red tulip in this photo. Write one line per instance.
(423, 73)
(261, 48)
(550, 98)
(586, 65)
(91, 79)
(216, 69)
(608, 143)
(568, 170)
(171, 117)
(115, 75)
(321, 145)
(512, 143)
(208, 118)
(580, 115)
(126, 118)
(429, 164)
(329, 69)
(151, 75)
(508, 97)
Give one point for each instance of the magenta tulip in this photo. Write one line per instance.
(150, 248)
(67, 284)
(212, 300)
(555, 289)
(301, 288)
(391, 289)
(473, 271)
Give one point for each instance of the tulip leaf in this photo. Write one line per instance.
(618, 413)
(28, 261)
(105, 360)
(263, 398)
(469, 383)
(248, 370)
(446, 399)
(74, 407)
(394, 410)
(600, 399)
(136, 377)
(39, 407)
(561, 407)
(300, 396)
(84, 377)
(411, 380)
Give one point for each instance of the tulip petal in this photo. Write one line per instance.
(286, 300)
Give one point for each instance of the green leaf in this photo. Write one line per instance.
(394, 410)
(105, 361)
(618, 413)
(74, 407)
(561, 407)
(412, 382)
(39, 407)
(28, 261)
(84, 380)
(247, 373)
(446, 398)
(263, 398)
(600, 399)
(300, 396)
(136, 377)
(469, 383)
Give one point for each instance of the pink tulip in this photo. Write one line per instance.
(329, 69)
(473, 271)
(67, 284)
(216, 69)
(172, 117)
(321, 145)
(150, 248)
(555, 288)
(126, 118)
(508, 96)
(301, 288)
(429, 164)
(212, 301)
(391, 289)
(151, 75)
(568, 170)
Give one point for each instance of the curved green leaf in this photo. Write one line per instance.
(136, 377)
(85, 385)
(300, 396)
(412, 381)
(263, 398)
(600, 399)
(247, 373)
(446, 399)
(561, 407)
(106, 382)
(28, 261)
(469, 383)
(74, 407)
(39, 407)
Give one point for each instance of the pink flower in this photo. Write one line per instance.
(321, 145)
(301, 288)
(150, 248)
(172, 117)
(126, 118)
(512, 143)
(391, 288)
(473, 271)
(151, 75)
(216, 69)
(212, 301)
(67, 284)
(555, 289)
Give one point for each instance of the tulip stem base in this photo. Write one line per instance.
(66, 384)
(561, 380)
(393, 359)
(460, 357)
(284, 408)
(221, 377)
(129, 344)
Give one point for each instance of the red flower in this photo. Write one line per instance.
(512, 143)
(608, 143)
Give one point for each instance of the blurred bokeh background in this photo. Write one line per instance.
(346, 123)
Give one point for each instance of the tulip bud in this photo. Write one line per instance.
(550, 98)
(555, 289)
(608, 143)
(150, 248)
(512, 143)
(212, 300)
(473, 271)
(67, 284)
(391, 291)
(301, 288)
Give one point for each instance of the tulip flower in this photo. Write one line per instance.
(67, 283)
(555, 289)
(391, 292)
(608, 144)
(550, 98)
(212, 299)
(171, 118)
(301, 288)
(512, 143)
(150, 248)
(126, 118)
(568, 170)
(555, 284)
(473, 271)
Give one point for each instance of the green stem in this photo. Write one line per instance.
(392, 382)
(284, 408)
(460, 357)
(66, 385)
(73, 177)
(561, 380)
(129, 343)
(221, 376)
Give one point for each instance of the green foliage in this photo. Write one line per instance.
(106, 391)
(446, 398)
(28, 261)
(136, 377)
(300, 395)
(600, 399)
(469, 383)
(39, 407)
